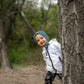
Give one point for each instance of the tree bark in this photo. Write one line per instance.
(4, 56)
(71, 26)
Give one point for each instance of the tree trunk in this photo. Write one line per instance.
(71, 26)
(4, 56)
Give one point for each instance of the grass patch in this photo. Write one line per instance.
(26, 64)
(19, 65)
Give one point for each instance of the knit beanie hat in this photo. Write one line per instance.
(42, 33)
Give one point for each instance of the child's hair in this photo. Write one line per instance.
(42, 33)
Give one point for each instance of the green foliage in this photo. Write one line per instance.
(6, 7)
(53, 30)
(21, 48)
(20, 56)
(17, 55)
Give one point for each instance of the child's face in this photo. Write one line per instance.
(41, 40)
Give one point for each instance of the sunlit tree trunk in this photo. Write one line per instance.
(71, 25)
(46, 15)
(4, 56)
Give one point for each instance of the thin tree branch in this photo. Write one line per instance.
(26, 22)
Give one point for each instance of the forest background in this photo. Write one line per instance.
(22, 50)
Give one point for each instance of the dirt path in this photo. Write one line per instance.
(33, 74)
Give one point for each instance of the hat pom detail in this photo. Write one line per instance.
(40, 28)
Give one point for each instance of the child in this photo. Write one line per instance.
(51, 54)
